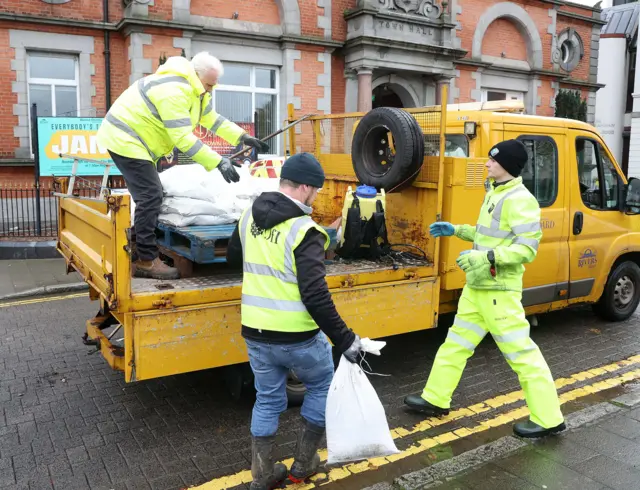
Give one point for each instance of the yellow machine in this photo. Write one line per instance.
(367, 203)
(589, 253)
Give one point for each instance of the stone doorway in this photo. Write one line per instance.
(385, 96)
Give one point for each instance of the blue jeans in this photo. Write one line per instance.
(312, 363)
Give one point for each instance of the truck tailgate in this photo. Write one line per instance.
(90, 232)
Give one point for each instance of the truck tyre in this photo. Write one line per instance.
(621, 294)
(374, 162)
(295, 390)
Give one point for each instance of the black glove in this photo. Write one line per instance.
(248, 140)
(353, 353)
(228, 172)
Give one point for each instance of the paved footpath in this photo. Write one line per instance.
(36, 276)
(599, 450)
(67, 421)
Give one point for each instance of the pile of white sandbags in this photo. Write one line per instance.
(193, 196)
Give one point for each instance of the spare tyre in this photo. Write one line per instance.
(378, 162)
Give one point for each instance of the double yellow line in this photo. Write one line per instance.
(43, 300)
(422, 445)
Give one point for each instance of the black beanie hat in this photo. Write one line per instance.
(303, 168)
(511, 155)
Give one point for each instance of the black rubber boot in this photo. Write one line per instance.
(416, 402)
(531, 430)
(266, 475)
(307, 459)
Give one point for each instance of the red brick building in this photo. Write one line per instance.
(74, 57)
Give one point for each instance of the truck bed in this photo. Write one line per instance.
(221, 279)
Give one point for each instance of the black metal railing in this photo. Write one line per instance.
(28, 212)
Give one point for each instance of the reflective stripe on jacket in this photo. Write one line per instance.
(270, 295)
(160, 112)
(509, 224)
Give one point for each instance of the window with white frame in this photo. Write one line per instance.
(490, 95)
(248, 96)
(53, 83)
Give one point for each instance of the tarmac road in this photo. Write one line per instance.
(68, 421)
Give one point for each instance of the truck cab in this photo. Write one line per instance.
(590, 246)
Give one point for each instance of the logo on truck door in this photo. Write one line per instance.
(547, 224)
(588, 258)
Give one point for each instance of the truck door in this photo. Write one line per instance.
(545, 280)
(596, 221)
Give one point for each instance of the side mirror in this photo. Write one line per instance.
(632, 197)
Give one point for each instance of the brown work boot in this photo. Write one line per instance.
(155, 269)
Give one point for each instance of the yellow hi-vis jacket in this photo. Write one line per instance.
(271, 298)
(160, 112)
(509, 224)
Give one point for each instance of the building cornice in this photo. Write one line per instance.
(559, 77)
(584, 18)
(581, 83)
(310, 40)
(564, 3)
(131, 24)
(472, 62)
(34, 19)
(16, 162)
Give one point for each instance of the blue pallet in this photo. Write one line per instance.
(198, 243)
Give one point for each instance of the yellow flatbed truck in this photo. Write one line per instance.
(590, 251)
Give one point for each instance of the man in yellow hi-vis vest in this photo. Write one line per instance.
(286, 311)
(152, 117)
(506, 236)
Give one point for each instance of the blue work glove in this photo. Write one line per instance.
(249, 140)
(469, 260)
(441, 228)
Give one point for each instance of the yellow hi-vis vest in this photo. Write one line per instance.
(509, 224)
(160, 112)
(270, 296)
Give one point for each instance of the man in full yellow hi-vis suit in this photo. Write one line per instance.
(152, 117)
(506, 236)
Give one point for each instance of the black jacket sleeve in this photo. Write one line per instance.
(234, 249)
(309, 256)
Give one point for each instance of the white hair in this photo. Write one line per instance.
(204, 62)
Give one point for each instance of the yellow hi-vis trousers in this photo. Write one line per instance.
(501, 314)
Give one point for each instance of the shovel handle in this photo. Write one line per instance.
(282, 130)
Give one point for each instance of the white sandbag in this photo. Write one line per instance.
(251, 187)
(186, 206)
(188, 181)
(356, 422)
(194, 182)
(200, 220)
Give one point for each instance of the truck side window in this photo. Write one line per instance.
(610, 177)
(455, 145)
(598, 176)
(540, 175)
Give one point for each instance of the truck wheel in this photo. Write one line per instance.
(621, 294)
(379, 163)
(295, 390)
